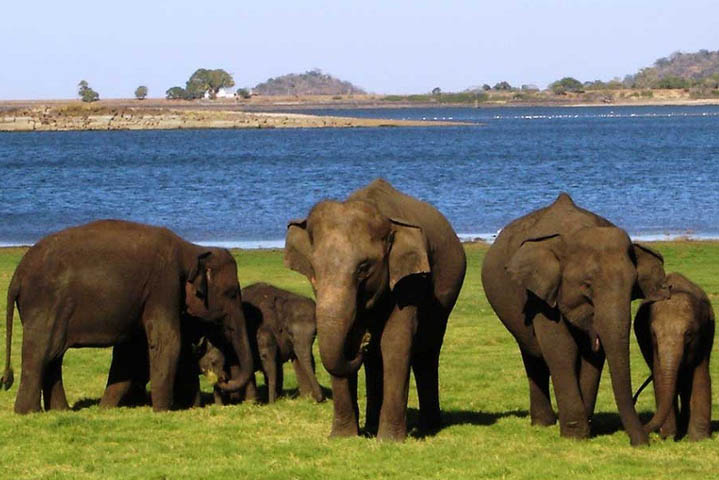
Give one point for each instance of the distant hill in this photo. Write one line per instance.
(313, 82)
(679, 70)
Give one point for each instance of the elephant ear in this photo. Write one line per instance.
(298, 248)
(651, 279)
(536, 267)
(408, 252)
(196, 287)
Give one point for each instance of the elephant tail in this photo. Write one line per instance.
(13, 293)
(641, 389)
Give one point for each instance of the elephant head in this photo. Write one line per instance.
(672, 336)
(211, 361)
(354, 258)
(591, 277)
(212, 294)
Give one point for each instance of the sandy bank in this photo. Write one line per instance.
(58, 118)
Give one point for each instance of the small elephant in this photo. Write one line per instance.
(285, 328)
(386, 265)
(676, 337)
(281, 326)
(197, 355)
(561, 279)
(109, 283)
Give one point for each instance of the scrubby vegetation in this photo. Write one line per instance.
(313, 82)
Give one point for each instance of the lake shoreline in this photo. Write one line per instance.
(80, 118)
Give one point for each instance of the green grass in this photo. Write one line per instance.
(484, 400)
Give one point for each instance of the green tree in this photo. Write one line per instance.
(243, 93)
(175, 93)
(86, 93)
(502, 86)
(208, 81)
(436, 91)
(141, 92)
(486, 87)
(566, 84)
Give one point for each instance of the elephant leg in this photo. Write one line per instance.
(34, 343)
(250, 392)
(396, 348)
(590, 372)
(540, 405)
(562, 356)
(279, 385)
(426, 374)
(425, 365)
(52, 390)
(345, 409)
(163, 339)
(700, 403)
(128, 375)
(373, 380)
(270, 369)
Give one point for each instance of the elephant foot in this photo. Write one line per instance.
(340, 430)
(430, 425)
(574, 429)
(667, 433)
(391, 433)
(696, 436)
(546, 420)
(642, 438)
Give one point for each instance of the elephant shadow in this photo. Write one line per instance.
(84, 403)
(460, 417)
(608, 423)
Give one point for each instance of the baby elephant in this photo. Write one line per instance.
(281, 326)
(676, 337)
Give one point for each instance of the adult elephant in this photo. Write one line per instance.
(562, 279)
(388, 264)
(102, 284)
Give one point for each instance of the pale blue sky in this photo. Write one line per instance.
(381, 45)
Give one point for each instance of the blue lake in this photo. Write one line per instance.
(651, 170)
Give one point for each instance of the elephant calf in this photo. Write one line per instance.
(676, 337)
(281, 326)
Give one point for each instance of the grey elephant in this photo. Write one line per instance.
(385, 264)
(561, 279)
(676, 337)
(285, 327)
(107, 283)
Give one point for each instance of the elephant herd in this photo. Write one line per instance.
(386, 270)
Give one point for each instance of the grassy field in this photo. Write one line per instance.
(484, 397)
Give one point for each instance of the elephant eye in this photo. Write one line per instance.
(364, 267)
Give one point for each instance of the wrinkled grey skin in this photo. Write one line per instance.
(561, 279)
(282, 327)
(389, 265)
(110, 283)
(285, 327)
(676, 337)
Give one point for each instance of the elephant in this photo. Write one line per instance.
(561, 279)
(281, 326)
(386, 270)
(130, 367)
(105, 284)
(676, 337)
(285, 328)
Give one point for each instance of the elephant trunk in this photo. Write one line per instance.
(336, 312)
(666, 368)
(236, 334)
(612, 321)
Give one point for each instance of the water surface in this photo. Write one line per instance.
(651, 170)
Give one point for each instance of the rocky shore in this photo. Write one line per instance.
(88, 118)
